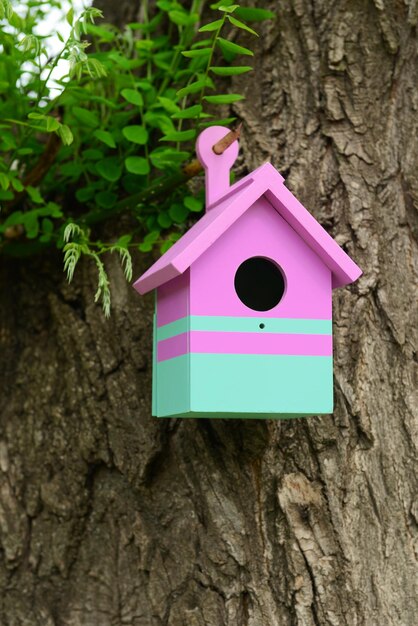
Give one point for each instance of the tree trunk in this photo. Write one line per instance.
(109, 517)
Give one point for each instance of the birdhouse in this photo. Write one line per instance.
(243, 319)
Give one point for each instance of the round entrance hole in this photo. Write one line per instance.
(259, 284)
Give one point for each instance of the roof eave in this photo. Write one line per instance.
(342, 267)
(266, 180)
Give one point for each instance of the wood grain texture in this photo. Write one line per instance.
(111, 518)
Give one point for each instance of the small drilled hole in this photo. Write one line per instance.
(262, 325)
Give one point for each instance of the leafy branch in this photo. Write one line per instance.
(77, 243)
(113, 133)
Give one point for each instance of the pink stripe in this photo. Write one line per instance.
(172, 347)
(244, 343)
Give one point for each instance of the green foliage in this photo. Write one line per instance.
(77, 243)
(110, 132)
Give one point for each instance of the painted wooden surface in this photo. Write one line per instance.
(233, 203)
(251, 385)
(217, 166)
(284, 359)
(213, 355)
(261, 232)
(173, 299)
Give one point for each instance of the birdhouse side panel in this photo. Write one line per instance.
(171, 374)
(173, 386)
(173, 299)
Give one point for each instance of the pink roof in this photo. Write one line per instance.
(228, 204)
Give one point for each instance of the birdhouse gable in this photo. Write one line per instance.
(225, 204)
(260, 268)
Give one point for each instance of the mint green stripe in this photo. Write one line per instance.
(172, 329)
(266, 384)
(244, 325)
(244, 386)
(173, 387)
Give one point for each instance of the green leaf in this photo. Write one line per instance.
(135, 134)
(105, 137)
(31, 224)
(165, 5)
(145, 247)
(222, 3)
(72, 168)
(126, 262)
(231, 70)
(144, 84)
(17, 185)
(6, 9)
(7, 139)
(86, 117)
(168, 105)
(65, 134)
(52, 124)
(192, 88)
(144, 45)
(100, 32)
(223, 122)
(24, 151)
(34, 115)
(163, 59)
(193, 204)
(254, 15)
(202, 43)
(178, 212)
(166, 245)
(228, 9)
(106, 199)
(103, 291)
(189, 113)
(133, 97)
(208, 28)
(164, 220)
(4, 181)
(85, 193)
(124, 241)
(152, 237)
(110, 169)
(92, 154)
(182, 18)
(137, 165)
(34, 195)
(72, 230)
(159, 120)
(241, 25)
(167, 157)
(52, 209)
(234, 48)
(70, 16)
(200, 52)
(227, 98)
(72, 253)
(182, 135)
(47, 226)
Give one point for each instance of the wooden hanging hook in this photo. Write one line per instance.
(225, 142)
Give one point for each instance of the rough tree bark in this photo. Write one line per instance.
(109, 517)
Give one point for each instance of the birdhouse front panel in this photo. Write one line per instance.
(243, 310)
(257, 338)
